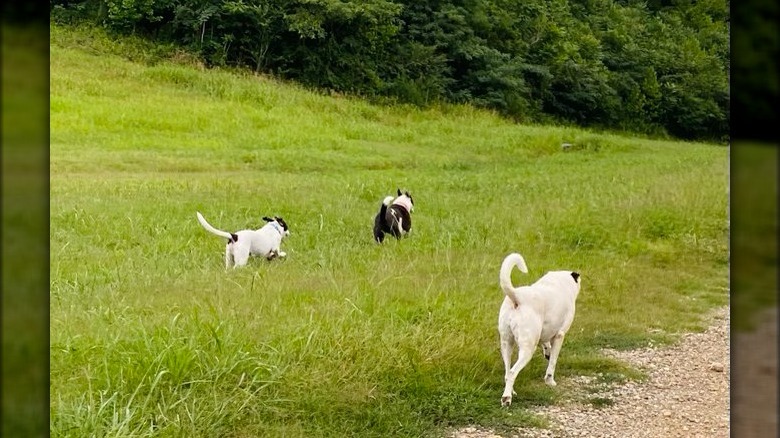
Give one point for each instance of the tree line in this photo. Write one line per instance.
(653, 66)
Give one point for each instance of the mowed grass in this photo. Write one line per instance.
(150, 336)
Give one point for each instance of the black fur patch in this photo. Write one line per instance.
(281, 222)
(576, 277)
(233, 239)
(396, 214)
(380, 226)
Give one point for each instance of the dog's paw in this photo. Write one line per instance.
(548, 379)
(282, 254)
(506, 401)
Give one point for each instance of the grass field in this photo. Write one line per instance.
(150, 336)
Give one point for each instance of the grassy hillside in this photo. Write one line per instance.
(150, 335)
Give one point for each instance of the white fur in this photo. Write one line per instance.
(264, 242)
(388, 200)
(539, 314)
(404, 202)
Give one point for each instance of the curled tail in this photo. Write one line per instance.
(210, 229)
(505, 275)
(385, 203)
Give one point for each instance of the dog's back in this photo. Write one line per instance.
(554, 298)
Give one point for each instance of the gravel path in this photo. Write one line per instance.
(686, 394)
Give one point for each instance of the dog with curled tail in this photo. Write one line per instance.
(394, 216)
(265, 241)
(538, 314)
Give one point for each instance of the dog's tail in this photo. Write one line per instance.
(505, 275)
(385, 203)
(379, 234)
(210, 229)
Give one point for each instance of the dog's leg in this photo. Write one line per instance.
(240, 256)
(546, 350)
(276, 253)
(395, 225)
(507, 345)
(523, 357)
(555, 350)
(228, 256)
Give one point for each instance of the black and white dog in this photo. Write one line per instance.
(264, 242)
(394, 216)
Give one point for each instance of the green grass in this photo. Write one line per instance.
(150, 335)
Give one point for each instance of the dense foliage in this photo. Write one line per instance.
(659, 66)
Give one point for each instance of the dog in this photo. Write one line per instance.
(394, 216)
(539, 314)
(264, 242)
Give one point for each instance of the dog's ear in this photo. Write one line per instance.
(576, 277)
(399, 192)
(267, 219)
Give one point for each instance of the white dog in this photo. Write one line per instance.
(264, 242)
(537, 314)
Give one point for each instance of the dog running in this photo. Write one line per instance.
(539, 314)
(394, 216)
(263, 242)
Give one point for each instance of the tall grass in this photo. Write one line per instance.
(151, 337)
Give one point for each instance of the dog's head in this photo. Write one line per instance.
(283, 229)
(405, 199)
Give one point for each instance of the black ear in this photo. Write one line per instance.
(399, 192)
(267, 219)
(576, 277)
